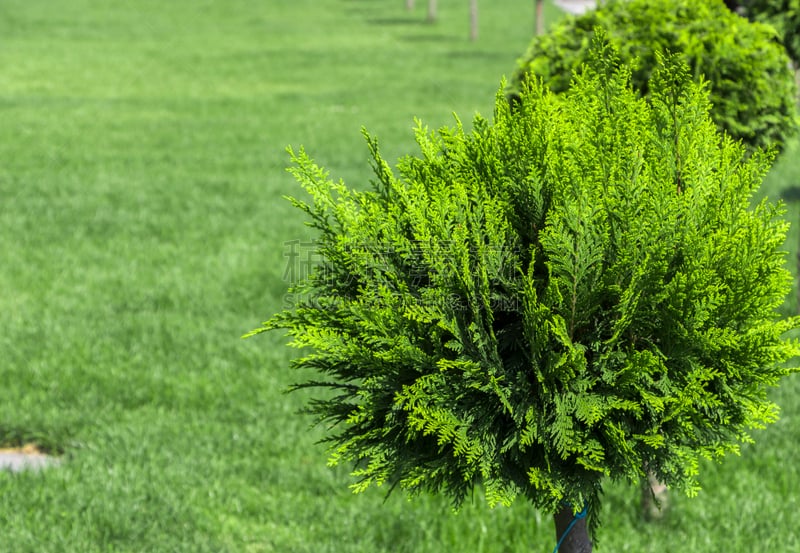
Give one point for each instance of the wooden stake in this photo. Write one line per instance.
(432, 11)
(539, 17)
(473, 20)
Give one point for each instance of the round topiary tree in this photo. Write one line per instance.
(784, 15)
(578, 290)
(751, 87)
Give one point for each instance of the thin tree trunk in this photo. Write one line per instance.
(473, 20)
(655, 498)
(539, 17)
(409, 4)
(577, 541)
(432, 11)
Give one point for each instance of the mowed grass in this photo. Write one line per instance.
(143, 231)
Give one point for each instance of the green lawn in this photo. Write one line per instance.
(143, 231)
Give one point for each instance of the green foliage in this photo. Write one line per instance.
(577, 290)
(752, 89)
(784, 15)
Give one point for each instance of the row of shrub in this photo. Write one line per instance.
(784, 15)
(744, 64)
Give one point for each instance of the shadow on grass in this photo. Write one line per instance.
(480, 54)
(791, 193)
(396, 21)
(430, 38)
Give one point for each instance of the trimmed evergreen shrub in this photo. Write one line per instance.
(784, 15)
(578, 289)
(751, 87)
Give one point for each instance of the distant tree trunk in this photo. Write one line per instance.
(409, 4)
(473, 20)
(577, 541)
(539, 17)
(655, 498)
(432, 13)
(796, 70)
